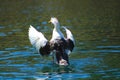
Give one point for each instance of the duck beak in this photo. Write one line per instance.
(49, 21)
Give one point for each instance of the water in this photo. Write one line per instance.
(95, 25)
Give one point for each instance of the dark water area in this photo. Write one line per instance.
(96, 28)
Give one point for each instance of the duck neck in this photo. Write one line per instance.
(56, 31)
(57, 27)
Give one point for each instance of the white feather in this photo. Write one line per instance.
(69, 34)
(57, 34)
(36, 38)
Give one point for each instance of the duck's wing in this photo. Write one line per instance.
(38, 40)
(70, 40)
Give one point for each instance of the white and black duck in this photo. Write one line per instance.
(60, 46)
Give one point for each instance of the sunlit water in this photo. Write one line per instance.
(95, 28)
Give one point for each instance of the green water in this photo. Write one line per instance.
(94, 24)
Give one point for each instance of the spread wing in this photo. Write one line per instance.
(38, 40)
(70, 40)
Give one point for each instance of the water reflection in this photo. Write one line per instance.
(95, 25)
(27, 65)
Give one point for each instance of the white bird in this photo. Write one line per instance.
(60, 46)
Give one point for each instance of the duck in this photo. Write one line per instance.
(59, 46)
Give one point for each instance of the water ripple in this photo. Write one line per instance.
(108, 47)
(100, 51)
(2, 34)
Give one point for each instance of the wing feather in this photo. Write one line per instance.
(70, 40)
(36, 38)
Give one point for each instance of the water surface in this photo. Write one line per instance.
(96, 28)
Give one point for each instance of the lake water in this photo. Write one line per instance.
(96, 28)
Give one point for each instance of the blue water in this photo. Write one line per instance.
(89, 64)
(94, 24)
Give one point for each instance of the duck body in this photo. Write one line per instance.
(58, 45)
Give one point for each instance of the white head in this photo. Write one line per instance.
(54, 21)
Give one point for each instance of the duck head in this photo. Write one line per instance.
(54, 21)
